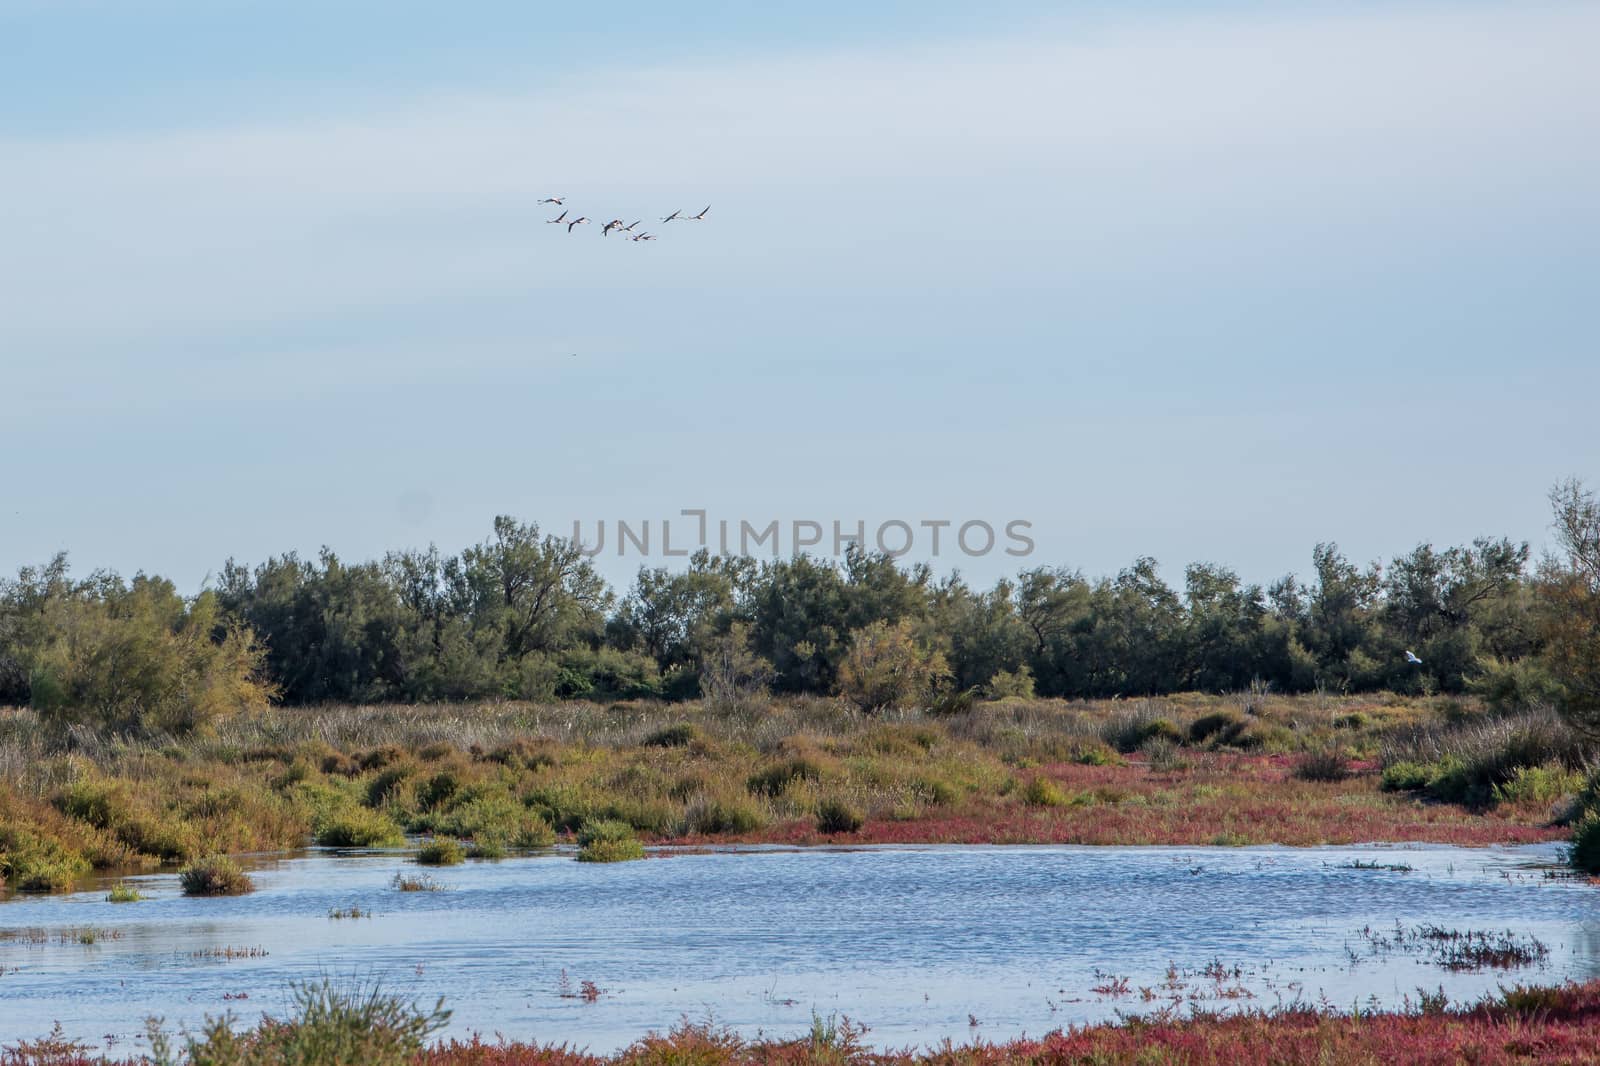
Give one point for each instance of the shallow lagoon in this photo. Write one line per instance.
(916, 942)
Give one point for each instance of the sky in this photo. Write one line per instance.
(1194, 281)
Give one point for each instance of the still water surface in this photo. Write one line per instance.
(916, 942)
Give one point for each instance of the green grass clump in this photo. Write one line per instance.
(1539, 785)
(415, 883)
(772, 780)
(441, 851)
(358, 827)
(121, 892)
(837, 816)
(215, 875)
(1406, 776)
(608, 840)
(1043, 792)
(329, 1027)
(710, 815)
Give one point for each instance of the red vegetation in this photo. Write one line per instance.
(1554, 1025)
(1524, 1025)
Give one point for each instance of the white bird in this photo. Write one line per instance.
(644, 237)
(700, 217)
(576, 222)
(554, 200)
(629, 227)
(674, 215)
(615, 223)
(1410, 658)
(562, 217)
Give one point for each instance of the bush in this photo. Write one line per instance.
(886, 668)
(1007, 684)
(441, 851)
(1538, 785)
(1043, 792)
(215, 875)
(123, 893)
(1220, 727)
(608, 840)
(712, 815)
(1406, 776)
(1129, 733)
(329, 1028)
(772, 780)
(140, 657)
(678, 735)
(1329, 764)
(1585, 853)
(1163, 755)
(837, 816)
(357, 827)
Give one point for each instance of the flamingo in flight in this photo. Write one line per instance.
(557, 200)
(615, 223)
(676, 214)
(700, 217)
(576, 222)
(644, 237)
(559, 219)
(629, 227)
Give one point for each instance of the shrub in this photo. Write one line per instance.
(608, 840)
(329, 1028)
(357, 827)
(1043, 792)
(441, 851)
(837, 816)
(1163, 755)
(678, 735)
(1128, 733)
(772, 780)
(439, 789)
(1329, 764)
(122, 892)
(1406, 776)
(1096, 754)
(215, 875)
(1538, 785)
(711, 815)
(885, 668)
(1585, 853)
(138, 656)
(1219, 727)
(1008, 684)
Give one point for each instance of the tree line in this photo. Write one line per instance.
(524, 615)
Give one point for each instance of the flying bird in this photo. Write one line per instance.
(554, 200)
(629, 227)
(700, 217)
(644, 237)
(1411, 658)
(674, 215)
(576, 222)
(615, 223)
(562, 217)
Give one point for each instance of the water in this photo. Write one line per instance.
(916, 942)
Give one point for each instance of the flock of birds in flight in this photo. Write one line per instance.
(616, 223)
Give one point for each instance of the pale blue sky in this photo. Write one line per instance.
(1195, 282)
